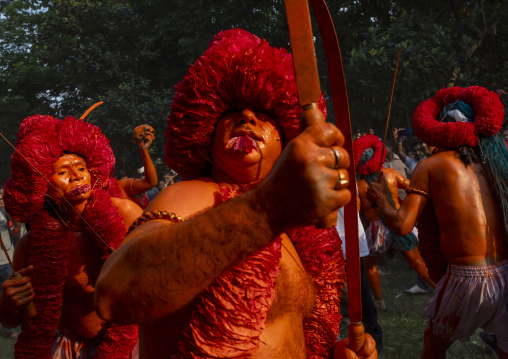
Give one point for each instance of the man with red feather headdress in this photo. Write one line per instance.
(380, 238)
(459, 196)
(60, 185)
(243, 275)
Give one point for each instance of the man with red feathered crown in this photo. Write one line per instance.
(226, 263)
(459, 196)
(380, 238)
(60, 185)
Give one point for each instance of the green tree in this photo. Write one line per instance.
(455, 42)
(58, 57)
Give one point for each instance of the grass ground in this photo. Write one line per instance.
(402, 323)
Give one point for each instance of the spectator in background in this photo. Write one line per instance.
(5, 267)
(427, 151)
(415, 155)
(168, 179)
(358, 134)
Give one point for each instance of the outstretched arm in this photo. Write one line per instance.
(161, 267)
(143, 135)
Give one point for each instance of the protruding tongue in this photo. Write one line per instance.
(80, 189)
(242, 143)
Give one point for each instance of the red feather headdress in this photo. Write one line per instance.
(42, 140)
(240, 70)
(360, 145)
(237, 70)
(488, 118)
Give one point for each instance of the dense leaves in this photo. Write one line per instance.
(59, 57)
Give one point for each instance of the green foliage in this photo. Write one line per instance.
(436, 39)
(59, 57)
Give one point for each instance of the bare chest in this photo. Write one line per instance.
(294, 291)
(84, 265)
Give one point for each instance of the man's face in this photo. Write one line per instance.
(245, 140)
(70, 178)
(1, 197)
(505, 135)
(417, 149)
(371, 131)
(426, 150)
(388, 151)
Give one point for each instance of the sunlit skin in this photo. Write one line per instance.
(232, 168)
(170, 299)
(470, 220)
(143, 136)
(394, 180)
(69, 173)
(239, 166)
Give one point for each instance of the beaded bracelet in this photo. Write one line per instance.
(417, 191)
(149, 216)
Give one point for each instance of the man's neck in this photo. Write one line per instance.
(71, 214)
(244, 180)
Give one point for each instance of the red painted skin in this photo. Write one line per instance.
(468, 214)
(394, 180)
(78, 313)
(226, 234)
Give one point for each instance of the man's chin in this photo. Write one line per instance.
(77, 198)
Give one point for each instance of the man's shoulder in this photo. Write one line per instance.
(187, 198)
(442, 156)
(440, 161)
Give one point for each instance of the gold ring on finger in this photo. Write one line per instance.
(341, 182)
